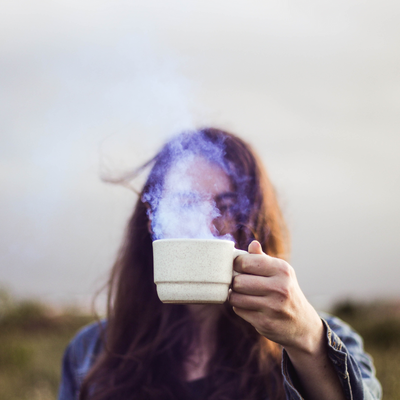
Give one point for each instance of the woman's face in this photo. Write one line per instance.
(196, 202)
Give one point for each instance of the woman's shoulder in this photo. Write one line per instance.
(79, 357)
(89, 334)
(85, 346)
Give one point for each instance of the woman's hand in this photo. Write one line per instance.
(267, 295)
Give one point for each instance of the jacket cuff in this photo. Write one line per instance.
(336, 353)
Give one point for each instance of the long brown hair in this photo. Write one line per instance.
(147, 342)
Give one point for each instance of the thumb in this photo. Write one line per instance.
(255, 247)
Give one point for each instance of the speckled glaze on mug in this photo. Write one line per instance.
(193, 270)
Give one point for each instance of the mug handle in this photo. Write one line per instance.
(237, 253)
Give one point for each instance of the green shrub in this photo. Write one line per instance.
(346, 309)
(384, 333)
(26, 314)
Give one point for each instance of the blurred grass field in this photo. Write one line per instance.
(33, 338)
(32, 341)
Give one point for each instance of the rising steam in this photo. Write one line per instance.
(188, 175)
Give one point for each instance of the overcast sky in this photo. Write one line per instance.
(88, 87)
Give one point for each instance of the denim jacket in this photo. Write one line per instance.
(345, 349)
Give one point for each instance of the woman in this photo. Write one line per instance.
(265, 342)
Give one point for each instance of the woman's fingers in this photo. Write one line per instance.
(261, 265)
(254, 285)
(246, 302)
(258, 263)
(249, 316)
(255, 248)
(264, 300)
(255, 318)
(252, 264)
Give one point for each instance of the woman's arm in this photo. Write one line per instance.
(267, 295)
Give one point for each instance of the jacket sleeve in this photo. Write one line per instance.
(353, 366)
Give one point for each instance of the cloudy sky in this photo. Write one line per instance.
(93, 87)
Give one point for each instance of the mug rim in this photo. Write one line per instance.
(193, 240)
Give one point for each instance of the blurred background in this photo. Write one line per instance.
(96, 87)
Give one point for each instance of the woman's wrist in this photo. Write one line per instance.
(311, 343)
(314, 370)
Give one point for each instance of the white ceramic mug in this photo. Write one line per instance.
(193, 270)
